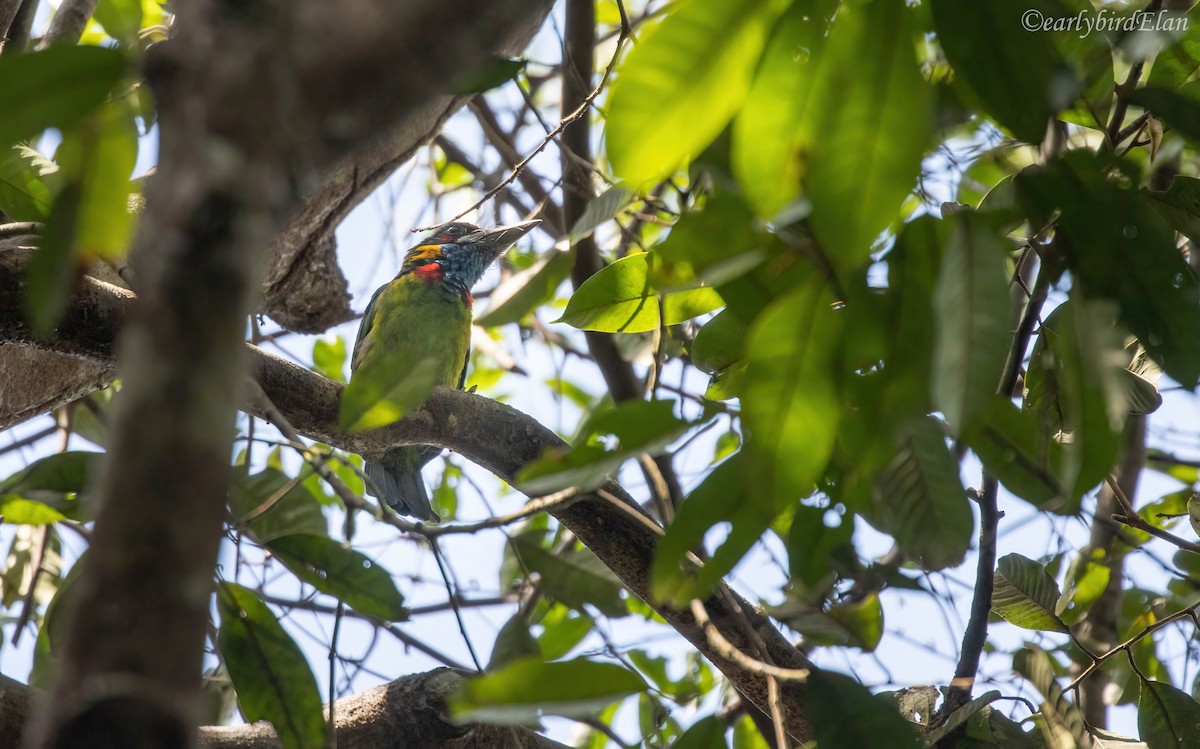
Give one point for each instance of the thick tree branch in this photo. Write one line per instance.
(410, 711)
(488, 433)
(257, 101)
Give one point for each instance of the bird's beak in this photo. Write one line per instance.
(499, 238)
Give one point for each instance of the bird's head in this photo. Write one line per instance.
(459, 253)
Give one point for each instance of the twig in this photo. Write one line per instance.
(1130, 517)
(728, 650)
(1098, 660)
(21, 228)
(452, 591)
(333, 659)
(532, 507)
(1121, 105)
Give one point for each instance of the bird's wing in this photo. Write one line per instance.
(364, 327)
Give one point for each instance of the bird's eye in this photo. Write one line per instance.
(455, 230)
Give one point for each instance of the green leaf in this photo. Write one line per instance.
(846, 716)
(512, 643)
(329, 358)
(1180, 109)
(562, 630)
(1087, 579)
(814, 548)
(25, 184)
(768, 138)
(599, 210)
(574, 577)
(61, 472)
(1168, 717)
(54, 87)
(272, 678)
(706, 733)
(1058, 713)
(620, 298)
(21, 511)
(523, 292)
(494, 74)
(1118, 248)
(53, 270)
(1025, 595)
(722, 496)
(1008, 444)
(271, 504)
(719, 344)
(746, 735)
(121, 19)
(1179, 204)
(385, 389)
(972, 308)
(920, 500)
(1175, 65)
(528, 688)
(1017, 75)
(346, 574)
(638, 426)
(789, 404)
(681, 84)
(856, 624)
(870, 118)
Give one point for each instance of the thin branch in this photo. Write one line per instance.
(69, 21)
(1130, 517)
(728, 650)
(1126, 646)
(1112, 136)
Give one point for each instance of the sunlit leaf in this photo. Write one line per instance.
(562, 631)
(528, 688)
(620, 298)
(122, 19)
(682, 83)
(271, 504)
(1177, 63)
(348, 575)
(385, 389)
(25, 189)
(512, 643)
(789, 404)
(706, 733)
(1025, 595)
(269, 671)
(972, 337)
(575, 577)
(54, 87)
(870, 119)
(329, 358)
(1058, 713)
(599, 210)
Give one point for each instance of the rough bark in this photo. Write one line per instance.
(495, 437)
(257, 101)
(408, 712)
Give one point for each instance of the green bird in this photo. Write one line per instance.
(425, 311)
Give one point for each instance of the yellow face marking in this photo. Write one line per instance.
(424, 252)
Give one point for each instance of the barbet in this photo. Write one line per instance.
(425, 312)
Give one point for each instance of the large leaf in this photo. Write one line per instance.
(972, 337)
(768, 137)
(815, 549)
(1017, 75)
(47, 490)
(1026, 595)
(846, 716)
(638, 426)
(1077, 387)
(122, 19)
(25, 190)
(1008, 444)
(621, 299)
(1179, 204)
(870, 117)
(270, 504)
(682, 83)
(719, 344)
(54, 87)
(574, 577)
(384, 389)
(528, 688)
(1180, 109)
(272, 677)
(329, 358)
(1168, 717)
(1118, 248)
(920, 500)
(706, 733)
(1059, 715)
(342, 572)
(600, 209)
(1175, 65)
(789, 405)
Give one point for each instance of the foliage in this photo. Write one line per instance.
(778, 264)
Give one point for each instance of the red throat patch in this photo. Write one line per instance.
(429, 272)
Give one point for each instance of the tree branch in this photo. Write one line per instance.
(490, 434)
(410, 711)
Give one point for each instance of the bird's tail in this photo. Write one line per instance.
(403, 488)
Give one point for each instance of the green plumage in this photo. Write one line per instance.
(425, 314)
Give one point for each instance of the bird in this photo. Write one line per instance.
(425, 311)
